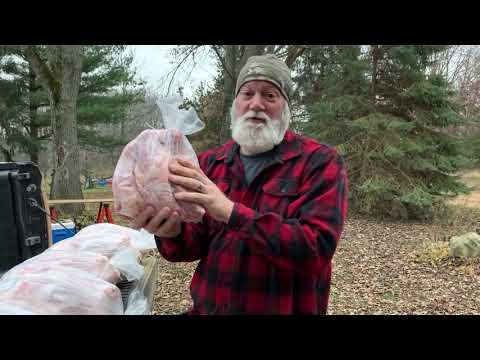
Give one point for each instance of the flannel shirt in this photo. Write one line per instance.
(275, 254)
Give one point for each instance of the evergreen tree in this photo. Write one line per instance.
(105, 87)
(9, 121)
(108, 87)
(20, 120)
(387, 115)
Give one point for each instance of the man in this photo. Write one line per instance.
(275, 207)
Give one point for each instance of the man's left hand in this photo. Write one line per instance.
(202, 190)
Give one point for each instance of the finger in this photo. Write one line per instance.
(155, 222)
(142, 218)
(196, 174)
(192, 197)
(186, 163)
(171, 223)
(187, 183)
(201, 175)
(189, 165)
(179, 169)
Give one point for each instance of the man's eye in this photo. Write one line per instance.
(270, 96)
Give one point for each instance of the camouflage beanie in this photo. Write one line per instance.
(268, 68)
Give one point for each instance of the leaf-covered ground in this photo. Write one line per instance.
(388, 268)
(379, 268)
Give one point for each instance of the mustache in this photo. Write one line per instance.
(255, 114)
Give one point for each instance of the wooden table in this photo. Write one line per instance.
(103, 210)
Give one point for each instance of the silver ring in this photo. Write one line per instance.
(200, 187)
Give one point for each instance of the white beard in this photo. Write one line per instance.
(255, 138)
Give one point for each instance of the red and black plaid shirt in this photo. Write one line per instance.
(274, 255)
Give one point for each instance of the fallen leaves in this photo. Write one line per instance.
(376, 270)
(380, 274)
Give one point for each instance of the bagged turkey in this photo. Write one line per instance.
(119, 244)
(90, 262)
(141, 175)
(58, 291)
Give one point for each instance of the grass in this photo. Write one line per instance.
(98, 193)
(472, 179)
(461, 217)
(433, 253)
(472, 200)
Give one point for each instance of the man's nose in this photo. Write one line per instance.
(256, 103)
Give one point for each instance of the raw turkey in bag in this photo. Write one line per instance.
(141, 175)
(92, 263)
(120, 245)
(61, 292)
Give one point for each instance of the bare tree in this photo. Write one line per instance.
(460, 65)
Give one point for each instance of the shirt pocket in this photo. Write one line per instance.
(278, 194)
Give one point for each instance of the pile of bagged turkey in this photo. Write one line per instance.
(78, 275)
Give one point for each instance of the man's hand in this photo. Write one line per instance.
(203, 191)
(166, 223)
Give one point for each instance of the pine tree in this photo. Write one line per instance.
(20, 119)
(86, 86)
(383, 110)
(108, 87)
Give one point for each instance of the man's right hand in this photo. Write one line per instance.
(166, 223)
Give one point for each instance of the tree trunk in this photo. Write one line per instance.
(373, 88)
(33, 125)
(293, 53)
(251, 50)
(229, 82)
(7, 155)
(232, 66)
(66, 182)
(60, 75)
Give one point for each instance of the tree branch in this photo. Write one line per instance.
(179, 65)
(41, 69)
(222, 61)
(293, 53)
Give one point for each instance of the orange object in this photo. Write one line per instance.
(104, 212)
(53, 213)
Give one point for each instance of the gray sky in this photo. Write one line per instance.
(153, 63)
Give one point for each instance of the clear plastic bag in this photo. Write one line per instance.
(105, 239)
(185, 121)
(12, 309)
(126, 261)
(137, 304)
(115, 242)
(61, 292)
(92, 263)
(141, 175)
(143, 240)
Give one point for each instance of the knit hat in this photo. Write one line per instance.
(268, 68)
